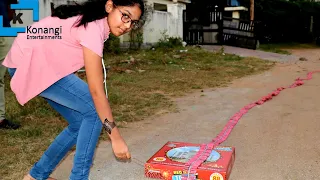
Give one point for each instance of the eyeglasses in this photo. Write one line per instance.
(126, 19)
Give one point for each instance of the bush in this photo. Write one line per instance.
(136, 39)
(169, 42)
(112, 45)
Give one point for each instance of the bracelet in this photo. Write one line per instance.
(108, 126)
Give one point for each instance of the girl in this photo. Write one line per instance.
(41, 62)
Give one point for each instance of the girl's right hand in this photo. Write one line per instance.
(120, 149)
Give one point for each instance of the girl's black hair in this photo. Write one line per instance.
(92, 10)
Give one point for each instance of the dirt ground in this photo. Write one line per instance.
(279, 140)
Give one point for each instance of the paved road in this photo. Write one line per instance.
(279, 140)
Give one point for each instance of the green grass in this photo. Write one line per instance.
(133, 97)
(281, 47)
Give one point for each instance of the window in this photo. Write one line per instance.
(160, 7)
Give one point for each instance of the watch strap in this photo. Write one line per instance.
(108, 126)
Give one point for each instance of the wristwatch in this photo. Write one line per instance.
(108, 126)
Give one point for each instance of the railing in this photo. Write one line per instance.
(201, 36)
(238, 32)
(216, 29)
(204, 31)
(210, 17)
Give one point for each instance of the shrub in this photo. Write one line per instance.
(136, 39)
(112, 45)
(169, 42)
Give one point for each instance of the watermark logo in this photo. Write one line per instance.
(31, 32)
(16, 18)
(44, 32)
(22, 5)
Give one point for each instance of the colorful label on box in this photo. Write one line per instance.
(176, 177)
(216, 176)
(159, 159)
(184, 154)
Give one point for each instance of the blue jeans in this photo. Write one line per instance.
(70, 96)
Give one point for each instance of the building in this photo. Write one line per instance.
(166, 16)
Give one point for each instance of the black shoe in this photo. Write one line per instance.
(6, 124)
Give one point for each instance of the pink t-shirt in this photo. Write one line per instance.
(41, 62)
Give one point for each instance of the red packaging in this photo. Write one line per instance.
(168, 162)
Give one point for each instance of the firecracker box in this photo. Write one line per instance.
(169, 161)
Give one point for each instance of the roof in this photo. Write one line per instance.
(238, 8)
(182, 1)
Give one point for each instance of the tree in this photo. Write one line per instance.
(251, 10)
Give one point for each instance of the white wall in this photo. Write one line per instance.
(175, 26)
(170, 21)
(157, 25)
(61, 2)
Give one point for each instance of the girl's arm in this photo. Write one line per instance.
(95, 81)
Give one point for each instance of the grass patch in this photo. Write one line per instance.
(281, 47)
(275, 48)
(140, 84)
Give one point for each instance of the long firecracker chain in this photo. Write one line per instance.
(205, 149)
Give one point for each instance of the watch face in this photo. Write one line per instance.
(107, 128)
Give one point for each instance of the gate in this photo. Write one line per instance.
(211, 27)
(203, 29)
(240, 33)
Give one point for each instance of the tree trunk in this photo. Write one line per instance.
(251, 10)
